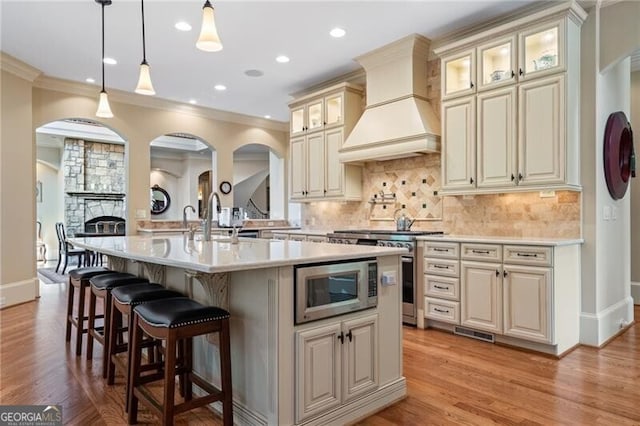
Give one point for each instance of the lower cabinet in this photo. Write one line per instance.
(481, 296)
(335, 364)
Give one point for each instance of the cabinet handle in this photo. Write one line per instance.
(505, 273)
(325, 191)
(480, 251)
(341, 337)
(512, 177)
(471, 85)
(440, 249)
(520, 177)
(439, 287)
(470, 180)
(497, 273)
(521, 72)
(513, 74)
(527, 254)
(324, 123)
(442, 311)
(440, 267)
(350, 336)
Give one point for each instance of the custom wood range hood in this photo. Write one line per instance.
(398, 120)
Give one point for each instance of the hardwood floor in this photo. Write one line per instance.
(451, 379)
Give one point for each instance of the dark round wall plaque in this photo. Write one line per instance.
(619, 156)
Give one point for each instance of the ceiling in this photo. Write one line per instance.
(62, 39)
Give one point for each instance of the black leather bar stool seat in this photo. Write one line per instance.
(79, 279)
(177, 321)
(101, 287)
(123, 299)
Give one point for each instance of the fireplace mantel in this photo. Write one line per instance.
(98, 195)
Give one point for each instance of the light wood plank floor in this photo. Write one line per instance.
(451, 379)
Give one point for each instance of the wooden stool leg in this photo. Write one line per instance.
(225, 370)
(92, 323)
(115, 322)
(169, 380)
(70, 294)
(135, 349)
(80, 322)
(130, 336)
(106, 302)
(188, 362)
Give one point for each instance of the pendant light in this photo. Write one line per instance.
(104, 110)
(144, 81)
(209, 41)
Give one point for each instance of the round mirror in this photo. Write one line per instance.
(160, 200)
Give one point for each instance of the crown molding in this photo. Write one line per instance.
(356, 77)
(18, 68)
(90, 90)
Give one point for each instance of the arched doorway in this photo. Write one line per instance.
(81, 177)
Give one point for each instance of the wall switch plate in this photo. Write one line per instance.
(614, 213)
(389, 278)
(547, 194)
(606, 213)
(3, 301)
(141, 214)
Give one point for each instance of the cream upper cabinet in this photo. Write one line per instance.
(497, 63)
(496, 132)
(458, 74)
(324, 119)
(541, 136)
(481, 296)
(458, 153)
(542, 50)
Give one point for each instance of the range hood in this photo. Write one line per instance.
(398, 120)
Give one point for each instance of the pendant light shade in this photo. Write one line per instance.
(209, 41)
(144, 81)
(104, 110)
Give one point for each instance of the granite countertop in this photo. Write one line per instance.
(298, 231)
(240, 228)
(530, 241)
(219, 255)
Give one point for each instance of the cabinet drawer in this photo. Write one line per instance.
(442, 310)
(528, 255)
(316, 238)
(492, 252)
(297, 237)
(441, 250)
(442, 287)
(449, 268)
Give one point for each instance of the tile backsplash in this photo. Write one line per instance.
(414, 180)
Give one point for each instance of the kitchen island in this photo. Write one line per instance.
(283, 373)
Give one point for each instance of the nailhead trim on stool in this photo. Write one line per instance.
(79, 278)
(123, 299)
(177, 321)
(101, 287)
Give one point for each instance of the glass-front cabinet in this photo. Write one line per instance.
(307, 118)
(542, 50)
(333, 110)
(459, 72)
(497, 63)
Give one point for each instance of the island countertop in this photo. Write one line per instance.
(220, 255)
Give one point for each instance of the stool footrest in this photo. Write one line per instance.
(198, 402)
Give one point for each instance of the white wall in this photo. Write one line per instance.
(635, 190)
(50, 210)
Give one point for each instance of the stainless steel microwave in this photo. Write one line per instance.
(324, 290)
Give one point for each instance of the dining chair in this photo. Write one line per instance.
(66, 249)
(41, 255)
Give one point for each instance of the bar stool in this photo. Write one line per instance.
(123, 300)
(177, 321)
(79, 279)
(101, 287)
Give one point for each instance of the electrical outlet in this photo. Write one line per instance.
(269, 223)
(3, 301)
(614, 213)
(547, 194)
(141, 213)
(606, 212)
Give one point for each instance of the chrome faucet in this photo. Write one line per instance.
(184, 215)
(207, 222)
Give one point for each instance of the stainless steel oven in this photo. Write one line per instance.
(406, 239)
(324, 290)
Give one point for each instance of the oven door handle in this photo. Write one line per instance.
(406, 259)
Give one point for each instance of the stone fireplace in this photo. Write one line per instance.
(94, 175)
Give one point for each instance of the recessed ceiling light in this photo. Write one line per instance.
(267, 116)
(337, 32)
(109, 61)
(282, 59)
(220, 87)
(90, 80)
(254, 73)
(182, 26)
(193, 101)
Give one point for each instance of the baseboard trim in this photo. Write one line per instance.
(19, 292)
(635, 292)
(598, 328)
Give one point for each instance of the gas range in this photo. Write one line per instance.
(379, 237)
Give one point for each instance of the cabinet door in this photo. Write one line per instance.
(459, 72)
(334, 169)
(334, 110)
(497, 157)
(297, 121)
(459, 144)
(541, 133)
(315, 115)
(298, 167)
(481, 296)
(497, 63)
(527, 303)
(316, 166)
(542, 50)
(318, 384)
(360, 356)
